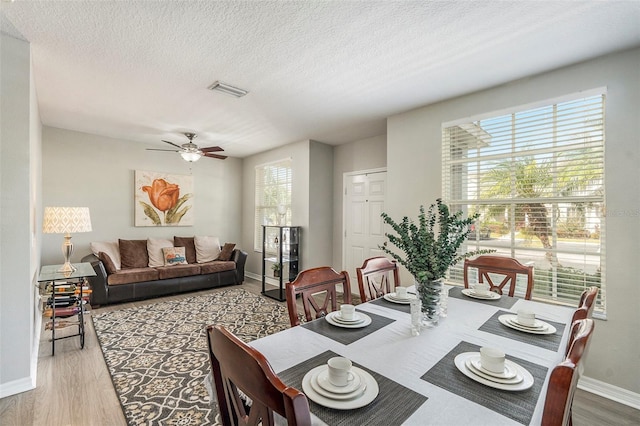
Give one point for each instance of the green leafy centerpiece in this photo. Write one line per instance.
(428, 256)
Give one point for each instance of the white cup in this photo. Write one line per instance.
(401, 292)
(347, 312)
(526, 317)
(481, 289)
(340, 371)
(492, 359)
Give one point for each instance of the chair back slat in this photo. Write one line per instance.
(374, 278)
(507, 267)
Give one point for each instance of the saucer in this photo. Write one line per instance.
(538, 325)
(517, 378)
(509, 370)
(505, 320)
(369, 393)
(355, 320)
(393, 299)
(490, 296)
(322, 379)
(362, 387)
(366, 320)
(526, 383)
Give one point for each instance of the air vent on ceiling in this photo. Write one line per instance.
(229, 90)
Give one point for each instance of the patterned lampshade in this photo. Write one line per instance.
(63, 220)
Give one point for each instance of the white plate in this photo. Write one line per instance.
(504, 319)
(365, 317)
(391, 299)
(490, 296)
(337, 316)
(370, 392)
(512, 381)
(322, 379)
(526, 383)
(509, 370)
(538, 325)
(332, 395)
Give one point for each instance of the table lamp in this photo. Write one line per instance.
(65, 220)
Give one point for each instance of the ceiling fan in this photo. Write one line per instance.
(190, 151)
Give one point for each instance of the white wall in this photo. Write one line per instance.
(80, 169)
(414, 169)
(19, 243)
(364, 154)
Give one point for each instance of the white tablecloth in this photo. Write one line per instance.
(394, 353)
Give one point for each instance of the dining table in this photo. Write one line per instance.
(416, 377)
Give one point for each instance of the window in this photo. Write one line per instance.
(536, 177)
(273, 197)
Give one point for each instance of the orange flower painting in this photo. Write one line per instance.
(163, 200)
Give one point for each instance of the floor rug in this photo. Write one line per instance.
(158, 358)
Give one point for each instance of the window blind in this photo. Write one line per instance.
(273, 189)
(536, 176)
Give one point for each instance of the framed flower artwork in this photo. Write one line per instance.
(163, 199)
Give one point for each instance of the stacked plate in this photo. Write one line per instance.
(359, 320)
(513, 378)
(539, 327)
(360, 391)
(489, 296)
(392, 297)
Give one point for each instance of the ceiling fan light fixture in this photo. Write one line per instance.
(229, 90)
(191, 156)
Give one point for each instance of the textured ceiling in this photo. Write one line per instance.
(324, 70)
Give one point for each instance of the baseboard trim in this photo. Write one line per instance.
(17, 386)
(609, 391)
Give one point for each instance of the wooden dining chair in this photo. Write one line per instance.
(317, 289)
(374, 278)
(237, 367)
(564, 378)
(587, 304)
(506, 267)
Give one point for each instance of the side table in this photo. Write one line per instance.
(66, 293)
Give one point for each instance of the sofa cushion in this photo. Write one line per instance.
(189, 245)
(132, 275)
(174, 256)
(154, 249)
(177, 271)
(107, 262)
(217, 266)
(207, 248)
(111, 248)
(226, 252)
(133, 253)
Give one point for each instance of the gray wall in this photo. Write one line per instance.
(81, 169)
(19, 215)
(413, 156)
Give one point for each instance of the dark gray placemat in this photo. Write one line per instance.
(505, 302)
(347, 336)
(393, 405)
(518, 406)
(547, 341)
(381, 301)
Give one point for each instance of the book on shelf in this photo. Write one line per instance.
(62, 312)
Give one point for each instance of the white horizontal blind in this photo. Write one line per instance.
(273, 188)
(536, 176)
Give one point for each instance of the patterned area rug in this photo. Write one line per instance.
(158, 357)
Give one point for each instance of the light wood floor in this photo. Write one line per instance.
(74, 388)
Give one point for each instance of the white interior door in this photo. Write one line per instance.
(364, 198)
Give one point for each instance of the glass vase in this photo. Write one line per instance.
(429, 293)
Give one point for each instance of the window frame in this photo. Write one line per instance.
(265, 206)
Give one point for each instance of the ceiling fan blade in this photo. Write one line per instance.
(167, 150)
(219, 157)
(171, 143)
(211, 149)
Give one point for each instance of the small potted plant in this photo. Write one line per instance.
(428, 255)
(276, 270)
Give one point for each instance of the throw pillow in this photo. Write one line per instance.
(133, 253)
(108, 247)
(174, 256)
(226, 252)
(207, 248)
(154, 248)
(189, 246)
(107, 262)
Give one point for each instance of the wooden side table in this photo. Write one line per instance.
(66, 289)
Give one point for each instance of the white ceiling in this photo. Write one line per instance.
(324, 70)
